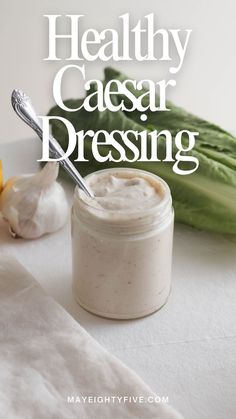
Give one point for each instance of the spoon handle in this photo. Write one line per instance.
(23, 107)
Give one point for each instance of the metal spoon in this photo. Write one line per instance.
(23, 107)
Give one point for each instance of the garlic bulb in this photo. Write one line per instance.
(34, 204)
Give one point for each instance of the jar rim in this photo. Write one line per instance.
(123, 222)
(165, 201)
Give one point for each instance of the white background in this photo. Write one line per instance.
(187, 350)
(205, 84)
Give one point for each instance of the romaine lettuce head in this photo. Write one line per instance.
(205, 199)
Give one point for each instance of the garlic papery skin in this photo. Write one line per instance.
(34, 204)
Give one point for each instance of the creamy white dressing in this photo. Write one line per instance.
(122, 243)
(117, 193)
(123, 192)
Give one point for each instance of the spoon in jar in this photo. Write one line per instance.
(23, 107)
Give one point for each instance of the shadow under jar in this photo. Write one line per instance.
(122, 256)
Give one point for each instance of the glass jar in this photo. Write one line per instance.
(122, 261)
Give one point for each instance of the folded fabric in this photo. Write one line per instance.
(51, 368)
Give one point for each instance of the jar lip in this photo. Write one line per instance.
(87, 202)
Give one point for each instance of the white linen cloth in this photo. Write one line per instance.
(47, 358)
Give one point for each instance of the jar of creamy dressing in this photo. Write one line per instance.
(122, 243)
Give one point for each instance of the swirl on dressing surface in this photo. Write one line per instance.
(116, 193)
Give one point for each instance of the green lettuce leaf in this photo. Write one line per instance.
(205, 199)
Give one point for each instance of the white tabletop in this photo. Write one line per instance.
(186, 351)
